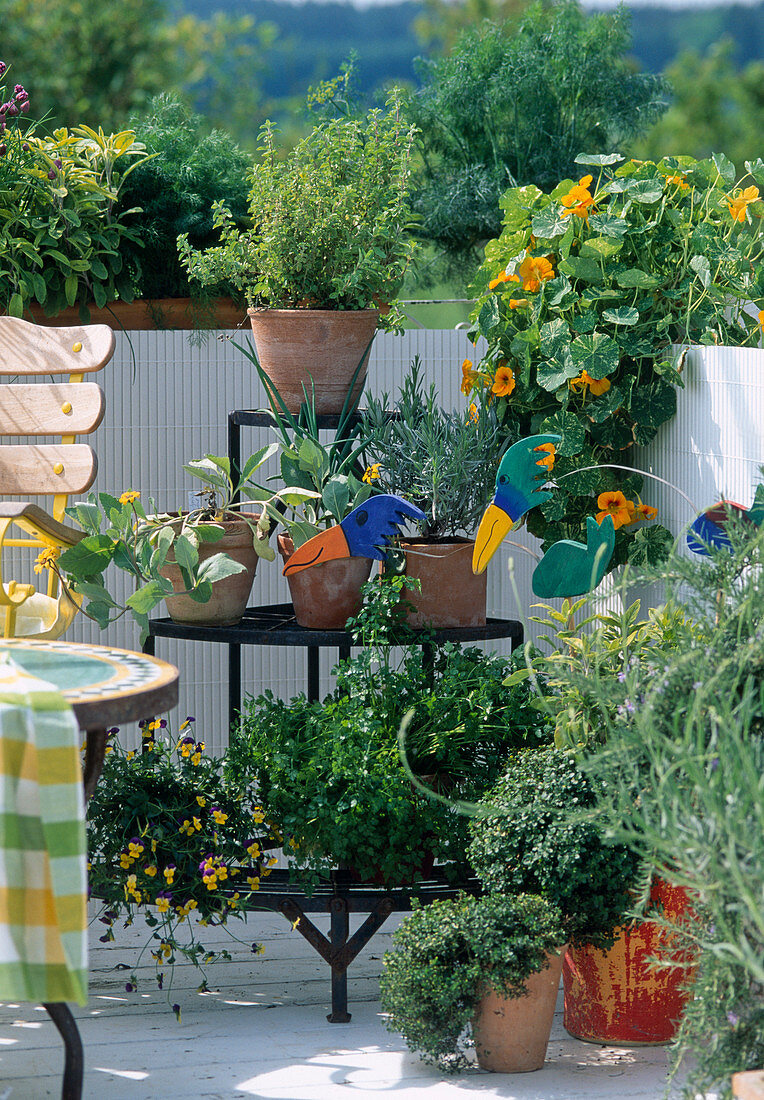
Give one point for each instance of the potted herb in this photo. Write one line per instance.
(201, 562)
(580, 300)
(330, 775)
(681, 784)
(492, 962)
(326, 247)
(329, 593)
(171, 840)
(445, 464)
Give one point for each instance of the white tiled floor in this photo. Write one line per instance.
(263, 1033)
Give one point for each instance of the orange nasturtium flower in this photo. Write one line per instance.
(371, 473)
(678, 181)
(502, 277)
(503, 380)
(614, 504)
(740, 203)
(535, 270)
(578, 199)
(46, 558)
(549, 457)
(473, 413)
(518, 303)
(644, 511)
(596, 385)
(129, 497)
(761, 319)
(469, 377)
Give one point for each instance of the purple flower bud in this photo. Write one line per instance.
(733, 1019)
(58, 163)
(714, 763)
(3, 68)
(11, 108)
(19, 88)
(52, 174)
(25, 147)
(3, 149)
(129, 987)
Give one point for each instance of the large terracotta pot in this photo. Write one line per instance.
(230, 595)
(327, 595)
(512, 1033)
(748, 1085)
(145, 314)
(615, 996)
(319, 349)
(451, 596)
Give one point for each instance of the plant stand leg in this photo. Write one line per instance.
(313, 674)
(339, 928)
(234, 684)
(74, 1062)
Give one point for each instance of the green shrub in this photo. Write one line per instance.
(174, 190)
(60, 235)
(536, 837)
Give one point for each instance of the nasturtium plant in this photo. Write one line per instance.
(581, 298)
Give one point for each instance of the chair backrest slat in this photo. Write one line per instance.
(56, 408)
(31, 470)
(32, 349)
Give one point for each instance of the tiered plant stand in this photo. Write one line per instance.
(338, 896)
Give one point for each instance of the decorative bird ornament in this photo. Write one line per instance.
(709, 529)
(363, 533)
(571, 569)
(523, 467)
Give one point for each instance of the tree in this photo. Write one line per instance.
(95, 63)
(515, 105)
(442, 21)
(716, 108)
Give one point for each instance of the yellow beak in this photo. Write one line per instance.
(494, 527)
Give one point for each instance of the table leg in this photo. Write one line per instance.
(234, 683)
(74, 1061)
(95, 752)
(313, 674)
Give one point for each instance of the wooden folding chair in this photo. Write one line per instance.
(45, 409)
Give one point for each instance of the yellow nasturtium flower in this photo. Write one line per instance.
(739, 204)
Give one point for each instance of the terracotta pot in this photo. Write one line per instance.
(512, 1033)
(144, 314)
(748, 1085)
(615, 996)
(451, 595)
(327, 595)
(296, 345)
(230, 595)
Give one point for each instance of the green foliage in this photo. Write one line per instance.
(681, 782)
(174, 190)
(512, 105)
(446, 952)
(581, 297)
(535, 837)
(443, 462)
(119, 532)
(716, 107)
(329, 220)
(581, 677)
(330, 776)
(59, 234)
(168, 835)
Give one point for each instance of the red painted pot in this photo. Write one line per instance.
(615, 996)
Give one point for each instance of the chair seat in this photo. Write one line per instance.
(44, 617)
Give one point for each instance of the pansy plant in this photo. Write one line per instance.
(581, 299)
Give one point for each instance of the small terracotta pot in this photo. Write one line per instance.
(327, 595)
(748, 1085)
(230, 595)
(512, 1033)
(615, 996)
(295, 346)
(451, 596)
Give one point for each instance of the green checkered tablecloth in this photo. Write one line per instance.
(43, 862)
